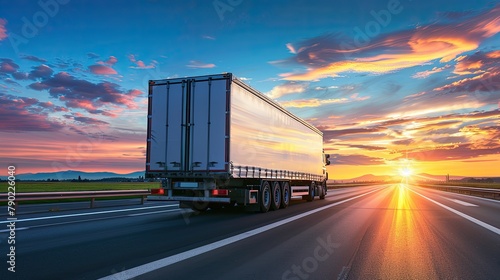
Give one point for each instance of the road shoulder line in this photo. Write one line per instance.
(465, 216)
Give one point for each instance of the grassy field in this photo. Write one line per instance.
(78, 186)
(101, 186)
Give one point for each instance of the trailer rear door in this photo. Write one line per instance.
(187, 125)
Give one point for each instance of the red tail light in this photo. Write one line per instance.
(157, 191)
(220, 192)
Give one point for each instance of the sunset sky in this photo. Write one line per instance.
(384, 80)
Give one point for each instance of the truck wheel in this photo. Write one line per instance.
(312, 192)
(285, 191)
(276, 196)
(323, 191)
(265, 197)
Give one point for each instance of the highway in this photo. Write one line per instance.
(375, 232)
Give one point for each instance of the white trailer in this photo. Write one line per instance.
(216, 141)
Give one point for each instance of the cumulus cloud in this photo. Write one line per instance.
(8, 66)
(26, 114)
(76, 93)
(102, 70)
(111, 61)
(40, 72)
(104, 67)
(139, 64)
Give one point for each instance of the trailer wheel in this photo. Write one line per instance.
(265, 197)
(276, 196)
(312, 192)
(285, 191)
(323, 191)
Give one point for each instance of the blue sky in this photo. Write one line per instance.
(381, 79)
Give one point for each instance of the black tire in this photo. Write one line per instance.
(286, 194)
(265, 197)
(323, 191)
(312, 192)
(275, 196)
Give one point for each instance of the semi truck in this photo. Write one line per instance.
(214, 142)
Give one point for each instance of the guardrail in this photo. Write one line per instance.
(486, 193)
(37, 196)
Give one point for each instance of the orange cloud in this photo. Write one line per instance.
(494, 54)
(102, 70)
(286, 89)
(403, 49)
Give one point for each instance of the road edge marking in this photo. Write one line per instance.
(161, 263)
(465, 216)
(89, 213)
(464, 203)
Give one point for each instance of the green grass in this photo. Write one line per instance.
(22, 186)
(78, 186)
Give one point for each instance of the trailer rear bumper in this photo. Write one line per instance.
(240, 196)
(189, 198)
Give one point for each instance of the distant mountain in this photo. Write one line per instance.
(72, 174)
(365, 178)
(430, 177)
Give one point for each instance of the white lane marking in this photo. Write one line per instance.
(148, 267)
(154, 212)
(462, 202)
(469, 196)
(472, 219)
(17, 229)
(87, 214)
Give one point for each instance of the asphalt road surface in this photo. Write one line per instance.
(374, 232)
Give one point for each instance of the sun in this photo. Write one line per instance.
(405, 172)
